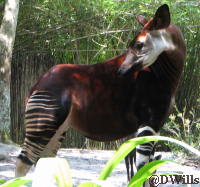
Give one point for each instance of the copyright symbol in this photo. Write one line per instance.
(154, 180)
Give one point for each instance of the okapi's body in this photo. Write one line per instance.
(101, 104)
(105, 101)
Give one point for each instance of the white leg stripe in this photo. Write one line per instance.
(140, 158)
(146, 128)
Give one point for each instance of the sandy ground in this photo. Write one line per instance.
(87, 164)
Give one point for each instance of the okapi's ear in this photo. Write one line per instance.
(161, 19)
(141, 19)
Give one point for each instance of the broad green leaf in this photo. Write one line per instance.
(129, 145)
(17, 182)
(2, 181)
(96, 183)
(89, 184)
(120, 154)
(146, 172)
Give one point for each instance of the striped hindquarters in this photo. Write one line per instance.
(43, 116)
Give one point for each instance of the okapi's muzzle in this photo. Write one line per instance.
(130, 64)
(123, 70)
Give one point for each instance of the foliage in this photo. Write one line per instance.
(185, 126)
(17, 182)
(145, 172)
(2, 181)
(59, 172)
(130, 145)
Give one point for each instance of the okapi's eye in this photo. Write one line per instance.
(139, 45)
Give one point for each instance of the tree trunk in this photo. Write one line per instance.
(7, 38)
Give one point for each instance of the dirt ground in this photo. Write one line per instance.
(87, 164)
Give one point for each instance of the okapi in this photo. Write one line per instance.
(130, 94)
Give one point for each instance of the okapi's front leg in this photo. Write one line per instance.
(44, 116)
(142, 154)
(145, 152)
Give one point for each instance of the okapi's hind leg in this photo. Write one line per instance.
(44, 121)
(130, 161)
(130, 164)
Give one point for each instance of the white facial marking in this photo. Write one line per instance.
(130, 56)
(156, 42)
(128, 59)
(142, 39)
(161, 41)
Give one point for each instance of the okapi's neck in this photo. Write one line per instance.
(168, 68)
(115, 63)
(169, 65)
(117, 60)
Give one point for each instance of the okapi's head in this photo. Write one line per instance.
(150, 42)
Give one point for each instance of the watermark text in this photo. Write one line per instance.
(156, 180)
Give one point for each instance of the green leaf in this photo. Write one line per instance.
(89, 184)
(129, 145)
(95, 183)
(2, 181)
(120, 154)
(17, 182)
(146, 172)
